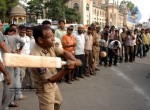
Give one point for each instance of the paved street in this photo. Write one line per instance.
(124, 87)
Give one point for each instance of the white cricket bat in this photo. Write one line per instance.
(17, 60)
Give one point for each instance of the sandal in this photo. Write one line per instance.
(13, 104)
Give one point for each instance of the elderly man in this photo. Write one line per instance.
(79, 52)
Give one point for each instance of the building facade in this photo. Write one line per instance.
(98, 11)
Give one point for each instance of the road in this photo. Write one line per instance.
(122, 87)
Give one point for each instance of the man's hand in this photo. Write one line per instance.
(71, 64)
(8, 80)
(78, 63)
(18, 51)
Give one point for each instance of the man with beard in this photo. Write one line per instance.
(79, 52)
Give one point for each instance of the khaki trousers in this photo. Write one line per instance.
(96, 51)
(50, 100)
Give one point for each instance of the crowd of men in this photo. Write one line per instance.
(85, 45)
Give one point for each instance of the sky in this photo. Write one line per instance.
(144, 8)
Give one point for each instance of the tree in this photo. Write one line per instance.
(9, 5)
(2, 10)
(35, 6)
(58, 10)
(72, 15)
(129, 4)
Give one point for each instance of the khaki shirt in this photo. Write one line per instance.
(96, 39)
(40, 75)
(123, 36)
(88, 42)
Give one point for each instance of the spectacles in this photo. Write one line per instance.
(51, 36)
(45, 37)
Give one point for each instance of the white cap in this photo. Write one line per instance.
(80, 25)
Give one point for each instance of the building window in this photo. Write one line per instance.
(87, 7)
(76, 6)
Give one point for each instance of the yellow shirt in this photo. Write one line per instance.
(145, 39)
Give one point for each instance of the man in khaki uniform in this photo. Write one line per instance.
(44, 78)
(96, 46)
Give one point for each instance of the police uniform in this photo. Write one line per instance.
(96, 49)
(48, 93)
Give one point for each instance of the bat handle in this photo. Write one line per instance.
(64, 63)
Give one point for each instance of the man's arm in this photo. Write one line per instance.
(2, 69)
(4, 47)
(21, 42)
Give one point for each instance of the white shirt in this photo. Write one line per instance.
(80, 42)
(111, 45)
(32, 43)
(26, 48)
(134, 40)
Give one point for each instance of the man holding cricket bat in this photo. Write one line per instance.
(45, 78)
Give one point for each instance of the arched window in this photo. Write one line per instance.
(87, 7)
(76, 6)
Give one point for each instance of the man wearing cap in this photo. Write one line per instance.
(79, 52)
(96, 46)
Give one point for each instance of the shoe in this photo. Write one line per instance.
(21, 98)
(69, 82)
(87, 75)
(77, 79)
(105, 66)
(72, 79)
(92, 73)
(81, 77)
(97, 69)
(109, 65)
(13, 104)
(115, 65)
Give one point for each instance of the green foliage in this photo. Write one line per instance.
(58, 10)
(2, 9)
(35, 6)
(72, 15)
(5, 8)
(129, 4)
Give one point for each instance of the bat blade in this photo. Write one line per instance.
(16, 60)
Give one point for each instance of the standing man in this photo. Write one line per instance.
(123, 36)
(8, 94)
(61, 31)
(96, 46)
(88, 51)
(79, 52)
(45, 78)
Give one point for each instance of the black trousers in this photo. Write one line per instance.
(79, 71)
(112, 54)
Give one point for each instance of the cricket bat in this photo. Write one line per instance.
(17, 60)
